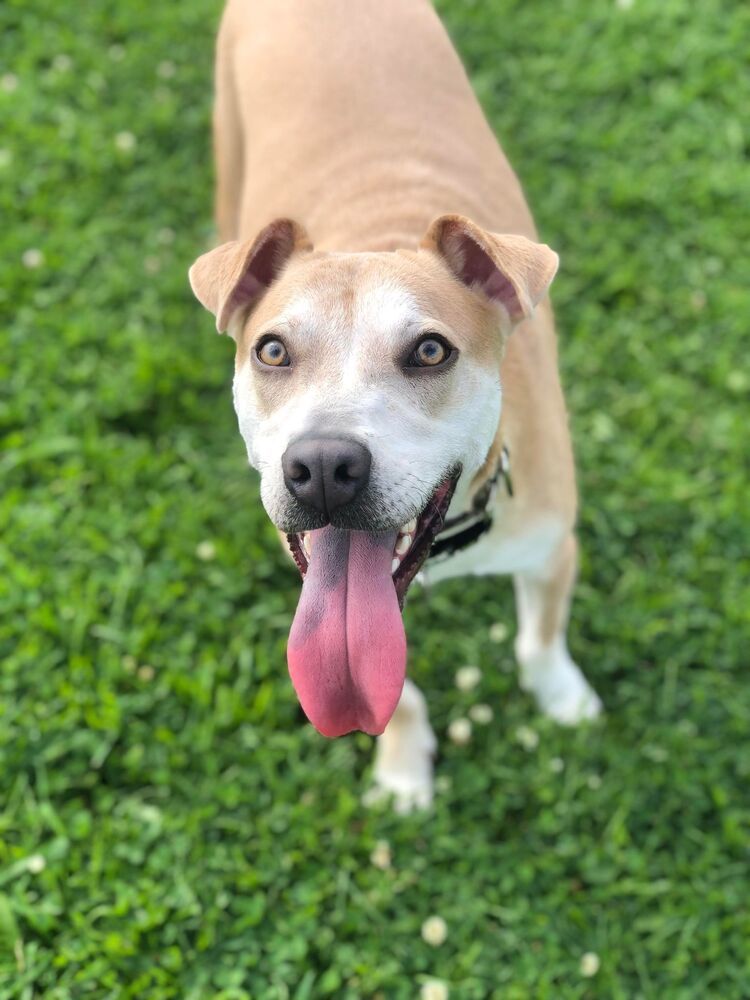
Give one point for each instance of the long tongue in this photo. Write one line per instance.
(347, 646)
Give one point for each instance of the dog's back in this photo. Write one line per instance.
(356, 117)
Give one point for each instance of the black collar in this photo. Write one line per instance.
(464, 529)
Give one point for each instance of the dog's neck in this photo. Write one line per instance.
(472, 517)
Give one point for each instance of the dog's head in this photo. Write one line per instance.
(365, 385)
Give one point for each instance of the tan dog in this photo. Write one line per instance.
(371, 371)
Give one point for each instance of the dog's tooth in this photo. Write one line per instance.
(395, 565)
(410, 527)
(307, 545)
(403, 544)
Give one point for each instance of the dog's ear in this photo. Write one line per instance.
(508, 269)
(235, 274)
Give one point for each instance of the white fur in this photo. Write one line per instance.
(411, 449)
(403, 759)
(500, 553)
(546, 669)
(560, 689)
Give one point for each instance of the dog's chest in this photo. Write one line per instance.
(501, 551)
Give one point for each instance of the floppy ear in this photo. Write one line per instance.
(234, 274)
(508, 269)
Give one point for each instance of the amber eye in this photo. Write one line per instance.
(272, 353)
(430, 352)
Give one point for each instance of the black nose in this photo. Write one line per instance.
(326, 473)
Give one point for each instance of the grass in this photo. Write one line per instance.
(169, 827)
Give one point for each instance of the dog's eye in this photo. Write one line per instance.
(430, 352)
(272, 352)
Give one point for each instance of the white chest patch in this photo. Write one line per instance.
(500, 553)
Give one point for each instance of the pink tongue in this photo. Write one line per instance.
(347, 646)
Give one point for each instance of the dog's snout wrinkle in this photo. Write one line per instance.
(326, 473)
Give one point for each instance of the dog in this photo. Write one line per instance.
(396, 380)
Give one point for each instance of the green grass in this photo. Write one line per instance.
(169, 827)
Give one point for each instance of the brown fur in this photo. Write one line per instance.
(357, 120)
(362, 126)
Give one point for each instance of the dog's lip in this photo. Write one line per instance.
(428, 524)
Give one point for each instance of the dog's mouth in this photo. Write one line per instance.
(413, 540)
(347, 646)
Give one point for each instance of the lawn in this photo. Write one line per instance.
(169, 825)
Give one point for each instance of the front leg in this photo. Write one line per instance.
(546, 667)
(404, 754)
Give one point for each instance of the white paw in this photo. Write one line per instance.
(571, 707)
(403, 759)
(408, 791)
(559, 687)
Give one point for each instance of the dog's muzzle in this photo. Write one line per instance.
(326, 473)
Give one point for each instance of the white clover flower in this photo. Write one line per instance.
(125, 142)
(150, 814)
(594, 781)
(36, 863)
(499, 632)
(468, 678)
(5, 157)
(62, 63)
(146, 672)
(206, 550)
(527, 737)
(589, 964)
(481, 714)
(381, 855)
(687, 726)
(151, 265)
(434, 931)
(9, 82)
(129, 663)
(624, 4)
(556, 765)
(116, 52)
(32, 258)
(165, 235)
(166, 69)
(443, 783)
(434, 989)
(459, 732)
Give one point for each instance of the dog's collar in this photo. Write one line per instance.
(464, 529)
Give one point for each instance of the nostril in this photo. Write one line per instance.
(343, 475)
(299, 473)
